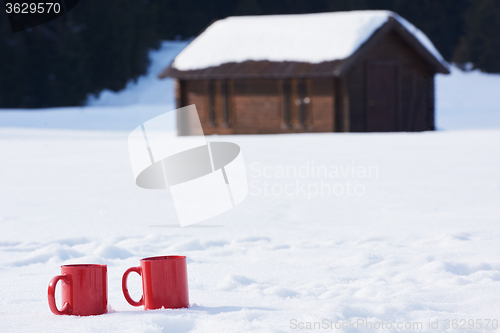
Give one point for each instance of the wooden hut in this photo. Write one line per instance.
(357, 71)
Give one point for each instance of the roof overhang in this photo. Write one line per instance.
(392, 25)
(290, 69)
(257, 69)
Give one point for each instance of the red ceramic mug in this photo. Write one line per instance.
(164, 283)
(84, 290)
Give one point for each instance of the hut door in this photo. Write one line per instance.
(382, 96)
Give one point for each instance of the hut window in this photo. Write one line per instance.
(225, 103)
(211, 103)
(303, 102)
(287, 105)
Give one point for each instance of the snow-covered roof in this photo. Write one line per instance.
(311, 38)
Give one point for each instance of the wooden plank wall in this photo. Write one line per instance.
(322, 106)
(256, 106)
(414, 91)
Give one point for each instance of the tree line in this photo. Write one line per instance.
(104, 44)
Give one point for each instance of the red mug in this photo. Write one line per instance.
(164, 283)
(84, 290)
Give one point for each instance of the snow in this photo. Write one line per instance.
(85, 118)
(312, 38)
(414, 235)
(468, 100)
(147, 90)
(420, 243)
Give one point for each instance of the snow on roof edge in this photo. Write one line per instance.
(258, 35)
(422, 38)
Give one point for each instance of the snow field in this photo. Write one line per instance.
(421, 243)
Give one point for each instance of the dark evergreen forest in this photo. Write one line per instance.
(101, 44)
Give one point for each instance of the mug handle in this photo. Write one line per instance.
(66, 309)
(125, 289)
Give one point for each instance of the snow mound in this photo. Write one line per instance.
(467, 100)
(312, 38)
(148, 89)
